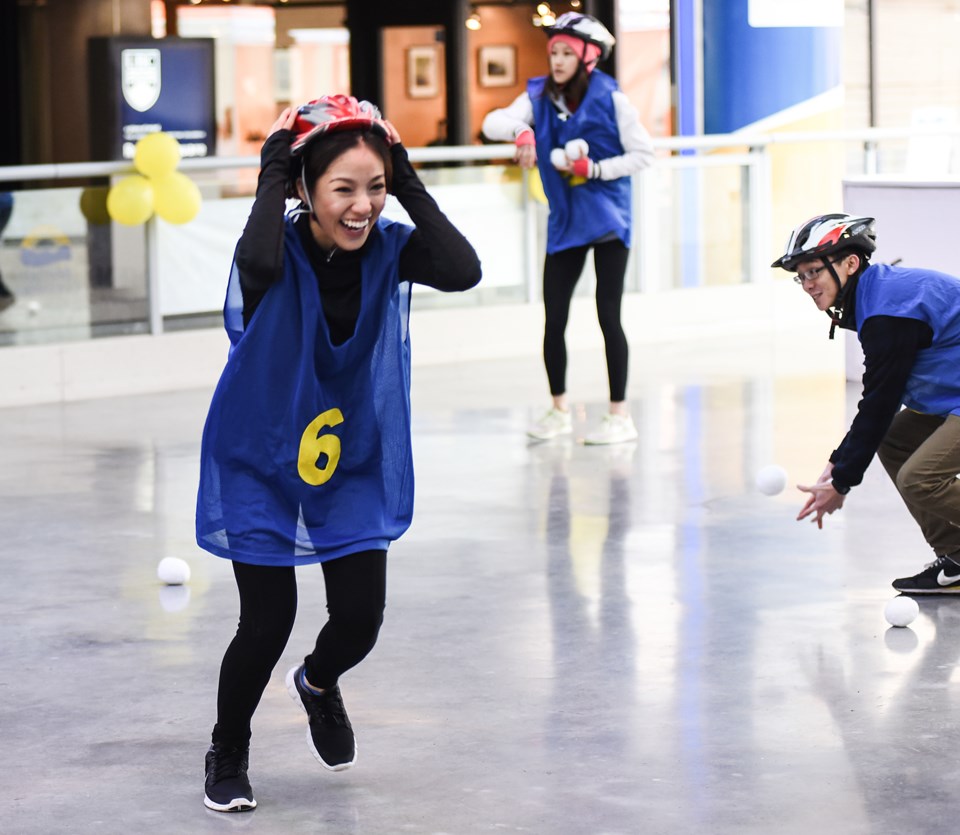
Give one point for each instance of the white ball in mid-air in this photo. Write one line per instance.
(771, 480)
(558, 159)
(901, 611)
(173, 571)
(576, 148)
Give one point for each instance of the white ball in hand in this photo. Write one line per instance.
(558, 159)
(576, 148)
(901, 611)
(173, 571)
(771, 480)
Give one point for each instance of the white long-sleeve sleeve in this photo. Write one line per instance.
(638, 150)
(506, 123)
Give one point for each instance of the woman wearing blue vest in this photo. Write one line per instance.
(908, 322)
(586, 138)
(306, 453)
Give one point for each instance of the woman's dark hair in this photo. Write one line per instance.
(573, 91)
(319, 155)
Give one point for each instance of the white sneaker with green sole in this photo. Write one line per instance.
(553, 424)
(613, 429)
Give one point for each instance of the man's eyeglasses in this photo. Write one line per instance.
(810, 275)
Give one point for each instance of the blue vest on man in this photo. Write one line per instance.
(933, 298)
(588, 211)
(306, 451)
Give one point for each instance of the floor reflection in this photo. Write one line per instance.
(590, 609)
(578, 640)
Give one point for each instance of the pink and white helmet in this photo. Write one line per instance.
(825, 234)
(585, 28)
(332, 113)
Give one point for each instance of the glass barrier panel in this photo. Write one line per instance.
(700, 229)
(67, 269)
(486, 203)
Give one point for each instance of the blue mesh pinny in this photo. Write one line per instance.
(306, 450)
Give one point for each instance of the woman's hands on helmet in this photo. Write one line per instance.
(284, 121)
(393, 135)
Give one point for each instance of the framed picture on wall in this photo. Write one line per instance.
(423, 72)
(498, 66)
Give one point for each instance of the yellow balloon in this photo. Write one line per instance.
(176, 198)
(156, 155)
(130, 201)
(93, 205)
(535, 186)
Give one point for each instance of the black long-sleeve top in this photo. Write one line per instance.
(890, 346)
(436, 254)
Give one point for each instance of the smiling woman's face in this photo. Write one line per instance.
(348, 198)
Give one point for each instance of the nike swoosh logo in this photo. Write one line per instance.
(944, 580)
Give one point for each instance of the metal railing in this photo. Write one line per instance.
(680, 178)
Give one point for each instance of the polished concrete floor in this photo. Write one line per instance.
(578, 640)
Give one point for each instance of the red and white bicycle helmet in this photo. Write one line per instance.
(332, 113)
(823, 235)
(585, 27)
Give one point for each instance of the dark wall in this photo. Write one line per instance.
(367, 18)
(54, 100)
(43, 63)
(10, 146)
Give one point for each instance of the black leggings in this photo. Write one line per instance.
(356, 595)
(561, 271)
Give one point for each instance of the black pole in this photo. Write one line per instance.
(458, 117)
(366, 56)
(608, 13)
(10, 102)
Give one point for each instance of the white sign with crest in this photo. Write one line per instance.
(140, 77)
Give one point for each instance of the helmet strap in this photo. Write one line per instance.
(306, 192)
(834, 321)
(836, 314)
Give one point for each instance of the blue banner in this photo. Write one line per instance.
(751, 71)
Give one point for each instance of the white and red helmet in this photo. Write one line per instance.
(823, 235)
(333, 113)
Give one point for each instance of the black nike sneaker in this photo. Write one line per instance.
(226, 787)
(329, 733)
(942, 576)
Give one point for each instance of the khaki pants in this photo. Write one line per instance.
(921, 454)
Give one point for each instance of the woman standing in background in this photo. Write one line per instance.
(585, 136)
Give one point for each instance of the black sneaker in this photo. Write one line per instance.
(226, 788)
(329, 735)
(942, 576)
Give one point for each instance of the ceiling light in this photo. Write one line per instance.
(473, 22)
(545, 16)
